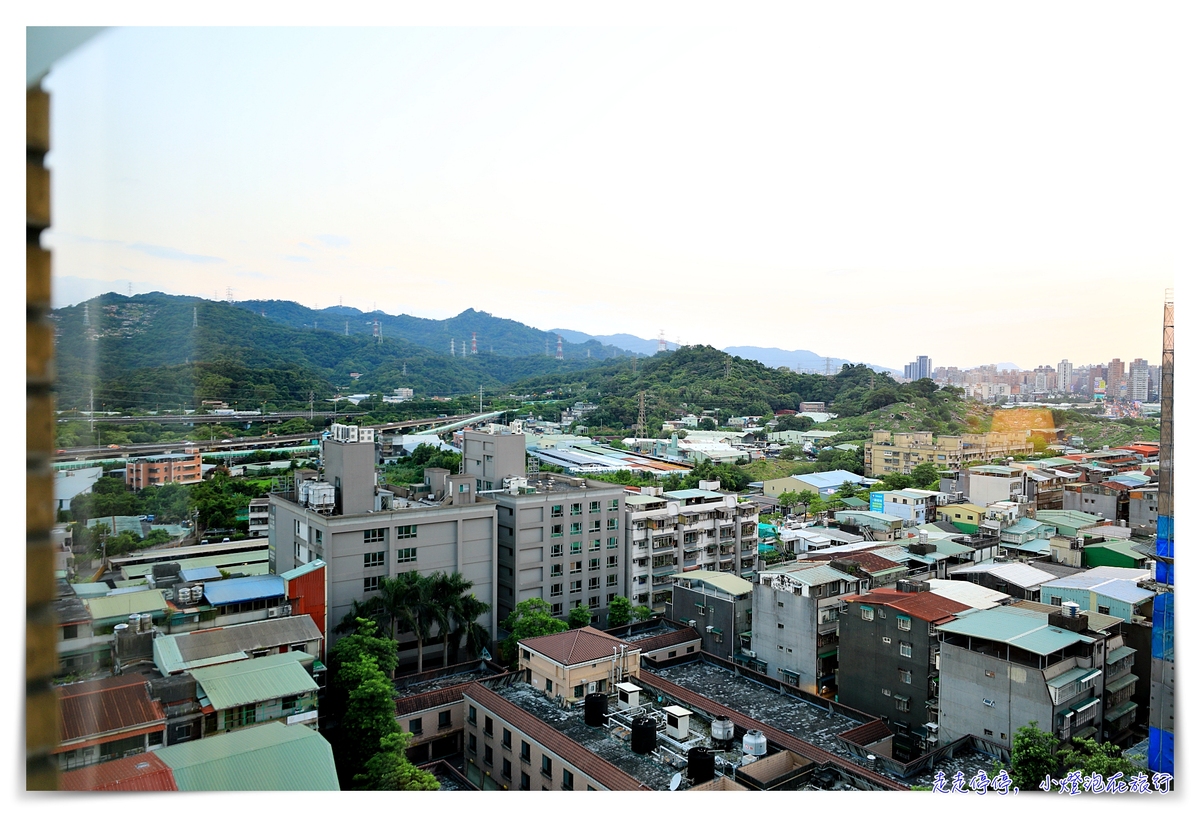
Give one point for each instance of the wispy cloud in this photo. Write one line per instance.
(175, 255)
(299, 259)
(334, 240)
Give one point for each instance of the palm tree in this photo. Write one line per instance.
(371, 609)
(411, 604)
(461, 608)
(467, 614)
(448, 590)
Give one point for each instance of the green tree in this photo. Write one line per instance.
(707, 424)
(794, 422)
(412, 607)
(620, 611)
(847, 489)
(579, 616)
(370, 712)
(925, 476)
(1034, 755)
(788, 500)
(389, 769)
(1091, 757)
(807, 498)
(642, 612)
(528, 619)
(459, 610)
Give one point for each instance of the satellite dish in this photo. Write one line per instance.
(676, 780)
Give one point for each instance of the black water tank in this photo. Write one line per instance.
(595, 707)
(701, 768)
(645, 735)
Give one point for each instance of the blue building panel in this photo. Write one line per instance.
(1162, 639)
(249, 588)
(1162, 751)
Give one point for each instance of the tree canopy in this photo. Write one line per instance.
(528, 619)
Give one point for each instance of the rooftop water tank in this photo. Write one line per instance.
(754, 743)
(722, 729)
(701, 765)
(595, 707)
(645, 735)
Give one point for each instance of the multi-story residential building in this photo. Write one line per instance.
(914, 506)
(143, 472)
(257, 515)
(900, 452)
(561, 539)
(1004, 667)
(492, 457)
(720, 604)
(795, 623)
(1139, 380)
(107, 719)
(567, 666)
(888, 661)
(919, 368)
(364, 533)
(243, 693)
(1065, 374)
(677, 531)
(1115, 381)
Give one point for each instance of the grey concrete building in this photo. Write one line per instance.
(795, 623)
(888, 661)
(1004, 667)
(560, 539)
(492, 457)
(720, 604)
(674, 531)
(364, 532)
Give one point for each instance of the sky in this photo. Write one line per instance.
(872, 187)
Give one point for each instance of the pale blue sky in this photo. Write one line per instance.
(865, 186)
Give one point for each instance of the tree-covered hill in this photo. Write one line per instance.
(158, 350)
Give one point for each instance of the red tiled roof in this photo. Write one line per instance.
(924, 606)
(671, 639)
(870, 562)
(118, 704)
(600, 770)
(432, 698)
(144, 772)
(574, 646)
(867, 734)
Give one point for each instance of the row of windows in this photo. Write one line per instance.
(379, 558)
(556, 589)
(556, 511)
(444, 722)
(371, 535)
(556, 549)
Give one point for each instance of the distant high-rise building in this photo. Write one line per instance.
(1139, 380)
(1116, 378)
(921, 367)
(1155, 382)
(1064, 375)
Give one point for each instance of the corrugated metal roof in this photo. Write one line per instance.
(270, 757)
(819, 573)
(924, 606)
(1070, 676)
(125, 604)
(200, 574)
(573, 646)
(119, 703)
(725, 582)
(91, 590)
(174, 653)
(142, 772)
(1022, 575)
(303, 570)
(969, 593)
(255, 680)
(1026, 629)
(828, 479)
(248, 588)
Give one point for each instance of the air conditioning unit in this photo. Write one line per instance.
(691, 622)
(591, 687)
(285, 610)
(272, 612)
(708, 629)
(750, 653)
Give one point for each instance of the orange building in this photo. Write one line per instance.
(183, 468)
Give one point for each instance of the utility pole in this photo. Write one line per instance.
(481, 398)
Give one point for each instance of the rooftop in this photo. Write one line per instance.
(925, 606)
(809, 573)
(724, 582)
(254, 680)
(1019, 627)
(125, 604)
(572, 647)
(183, 651)
(140, 772)
(247, 588)
(269, 757)
(1018, 573)
(968, 593)
(119, 703)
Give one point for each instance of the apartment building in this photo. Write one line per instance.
(721, 606)
(491, 457)
(899, 452)
(670, 532)
(560, 539)
(795, 623)
(577, 662)
(363, 532)
(143, 472)
(888, 661)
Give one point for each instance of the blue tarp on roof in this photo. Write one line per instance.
(249, 588)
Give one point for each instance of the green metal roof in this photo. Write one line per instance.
(1070, 676)
(725, 582)
(1026, 629)
(1120, 652)
(125, 604)
(253, 557)
(90, 590)
(1118, 711)
(270, 757)
(1121, 683)
(258, 679)
(302, 570)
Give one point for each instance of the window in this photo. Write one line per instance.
(594, 564)
(320, 537)
(556, 609)
(405, 555)
(374, 535)
(612, 542)
(905, 649)
(594, 583)
(577, 567)
(472, 745)
(577, 586)
(70, 631)
(1102, 610)
(506, 739)
(1056, 600)
(444, 719)
(611, 596)
(594, 527)
(549, 686)
(612, 523)
(611, 580)
(905, 676)
(556, 511)
(576, 547)
(868, 613)
(987, 733)
(555, 570)
(487, 725)
(614, 504)
(593, 602)
(525, 751)
(903, 623)
(595, 545)
(406, 532)
(471, 715)
(555, 590)
(556, 549)
(576, 508)
(578, 693)
(506, 769)
(547, 766)
(376, 559)
(594, 507)
(524, 781)
(576, 528)
(568, 780)
(902, 703)
(612, 561)
(487, 755)
(370, 584)
(556, 530)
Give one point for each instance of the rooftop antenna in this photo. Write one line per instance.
(129, 288)
(404, 371)
(86, 320)
(464, 347)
